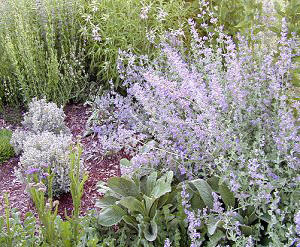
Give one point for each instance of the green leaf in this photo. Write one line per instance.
(214, 239)
(163, 185)
(129, 220)
(212, 225)
(123, 186)
(102, 188)
(205, 191)
(150, 230)
(133, 205)
(247, 230)
(227, 195)
(111, 215)
(213, 183)
(149, 201)
(125, 162)
(197, 202)
(150, 184)
(106, 201)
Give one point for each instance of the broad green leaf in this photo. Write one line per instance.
(150, 230)
(197, 202)
(123, 186)
(150, 184)
(111, 215)
(227, 195)
(213, 224)
(106, 201)
(163, 185)
(214, 239)
(247, 230)
(133, 205)
(162, 200)
(205, 191)
(125, 162)
(102, 188)
(148, 202)
(130, 221)
(213, 183)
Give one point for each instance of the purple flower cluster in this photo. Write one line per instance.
(226, 109)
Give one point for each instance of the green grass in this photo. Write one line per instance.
(6, 150)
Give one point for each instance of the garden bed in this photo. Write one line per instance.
(99, 168)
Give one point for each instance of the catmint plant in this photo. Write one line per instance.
(225, 109)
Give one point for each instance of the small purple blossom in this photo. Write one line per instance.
(32, 171)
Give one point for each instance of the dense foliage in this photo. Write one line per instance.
(6, 149)
(43, 142)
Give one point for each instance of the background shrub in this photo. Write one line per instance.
(6, 149)
(41, 54)
(111, 25)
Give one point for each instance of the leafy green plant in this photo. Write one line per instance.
(146, 204)
(221, 211)
(14, 232)
(76, 186)
(6, 149)
(113, 25)
(56, 231)
(41, 54)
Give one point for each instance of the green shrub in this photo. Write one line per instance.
(6, 150)
(112, 25)
(41, 54)
(146, 206)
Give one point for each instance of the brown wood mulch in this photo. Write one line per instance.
(98, 166)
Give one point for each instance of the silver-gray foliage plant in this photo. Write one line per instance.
(45, 116)
(44, 150)
(44, 143)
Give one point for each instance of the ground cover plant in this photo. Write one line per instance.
(208, 123)
(6, 149)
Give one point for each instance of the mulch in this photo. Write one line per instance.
(98, 166)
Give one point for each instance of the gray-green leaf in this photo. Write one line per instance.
(227, 195)
(106, 201)
(163, 185)
(111, 215)
(133, 205)
(123, 186)
(205, 191)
